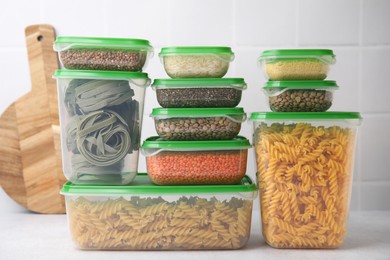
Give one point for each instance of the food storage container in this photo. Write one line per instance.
(296, 64)
(305, 167)
(196, 62)
(199, 92)
(300, 96)
(100, 119)
(195, 162)
(93, 53)
(145, 216)
(198, 123)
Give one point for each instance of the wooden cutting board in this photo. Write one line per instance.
(30, 149)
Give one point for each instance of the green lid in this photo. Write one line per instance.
(66, 42)
(330, 115)
(143, 185)
(196, 50)
(271, 85)
(237, 83)
(325, 55)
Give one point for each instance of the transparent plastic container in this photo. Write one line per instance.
(198, 123)
(100, 122)
(196, 61)
(199, 92)
(300, 96)
(196, 162)
(93, 53)
(296, 64)
(145, 216)
(305, 166)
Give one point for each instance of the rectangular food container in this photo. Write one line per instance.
(199, 92)
(296, 64)
(195, 162)
(145, 216)
(196, 61)
(100, 121)
(94, 53)
(300, 95)
(198, 123)
(305, 167)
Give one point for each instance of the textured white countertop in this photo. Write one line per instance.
(25, 235)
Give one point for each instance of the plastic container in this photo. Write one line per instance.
(198, 123)
(195, 162)
(145, 216)
(296, 64)
(305, 166)
(186, 93)
(100, 119)
(92, 53)
(196, 62)
(300, 96)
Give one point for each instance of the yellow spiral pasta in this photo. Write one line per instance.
(304, 177)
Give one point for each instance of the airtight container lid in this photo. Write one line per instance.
(236, 83)
(324, 55)
(195, 50)
(143, 185)
(140, 79)
(271, 86)
(66, 42)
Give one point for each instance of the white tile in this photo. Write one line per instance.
(355, 197)
(148, 19)
(201, 22)
(375, 80)
(375, 143)
(328, 22)
(375, 22)
(263, 22)
(375, 196)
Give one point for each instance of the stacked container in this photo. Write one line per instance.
(304, 155)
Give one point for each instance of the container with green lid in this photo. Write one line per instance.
(196, 61)
(300, 95)
(305, 166)
(145, 216)
(100, 116)
(97, 53)
(296, 64)
(196, 162)
(199, 92)
(198, 123)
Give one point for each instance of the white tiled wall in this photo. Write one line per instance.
(357, 30)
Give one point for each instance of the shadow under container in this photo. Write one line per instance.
(100, 121)
(193, 124)
(300, 96)
(98, 53)
(305, 167)
(145, 216)
(199, 92)
(196, 61)
(196, 162)
(296, 64)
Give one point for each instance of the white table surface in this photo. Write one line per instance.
(26, 235)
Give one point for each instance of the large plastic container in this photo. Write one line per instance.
(196, 61)
(145, 216)
(198, 123)
(196, 162)
(296, 64)
(300, 95)
(199, 92)
(305, 166)
(100, 119)
(97, 53)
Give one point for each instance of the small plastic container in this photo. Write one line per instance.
(296, 64)
(198, 123)
(145, 216)
(199, 92)
(196, 61)
(300, 96)
(93, 53)
(100, 121)
(195, 162)
(305, 166)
